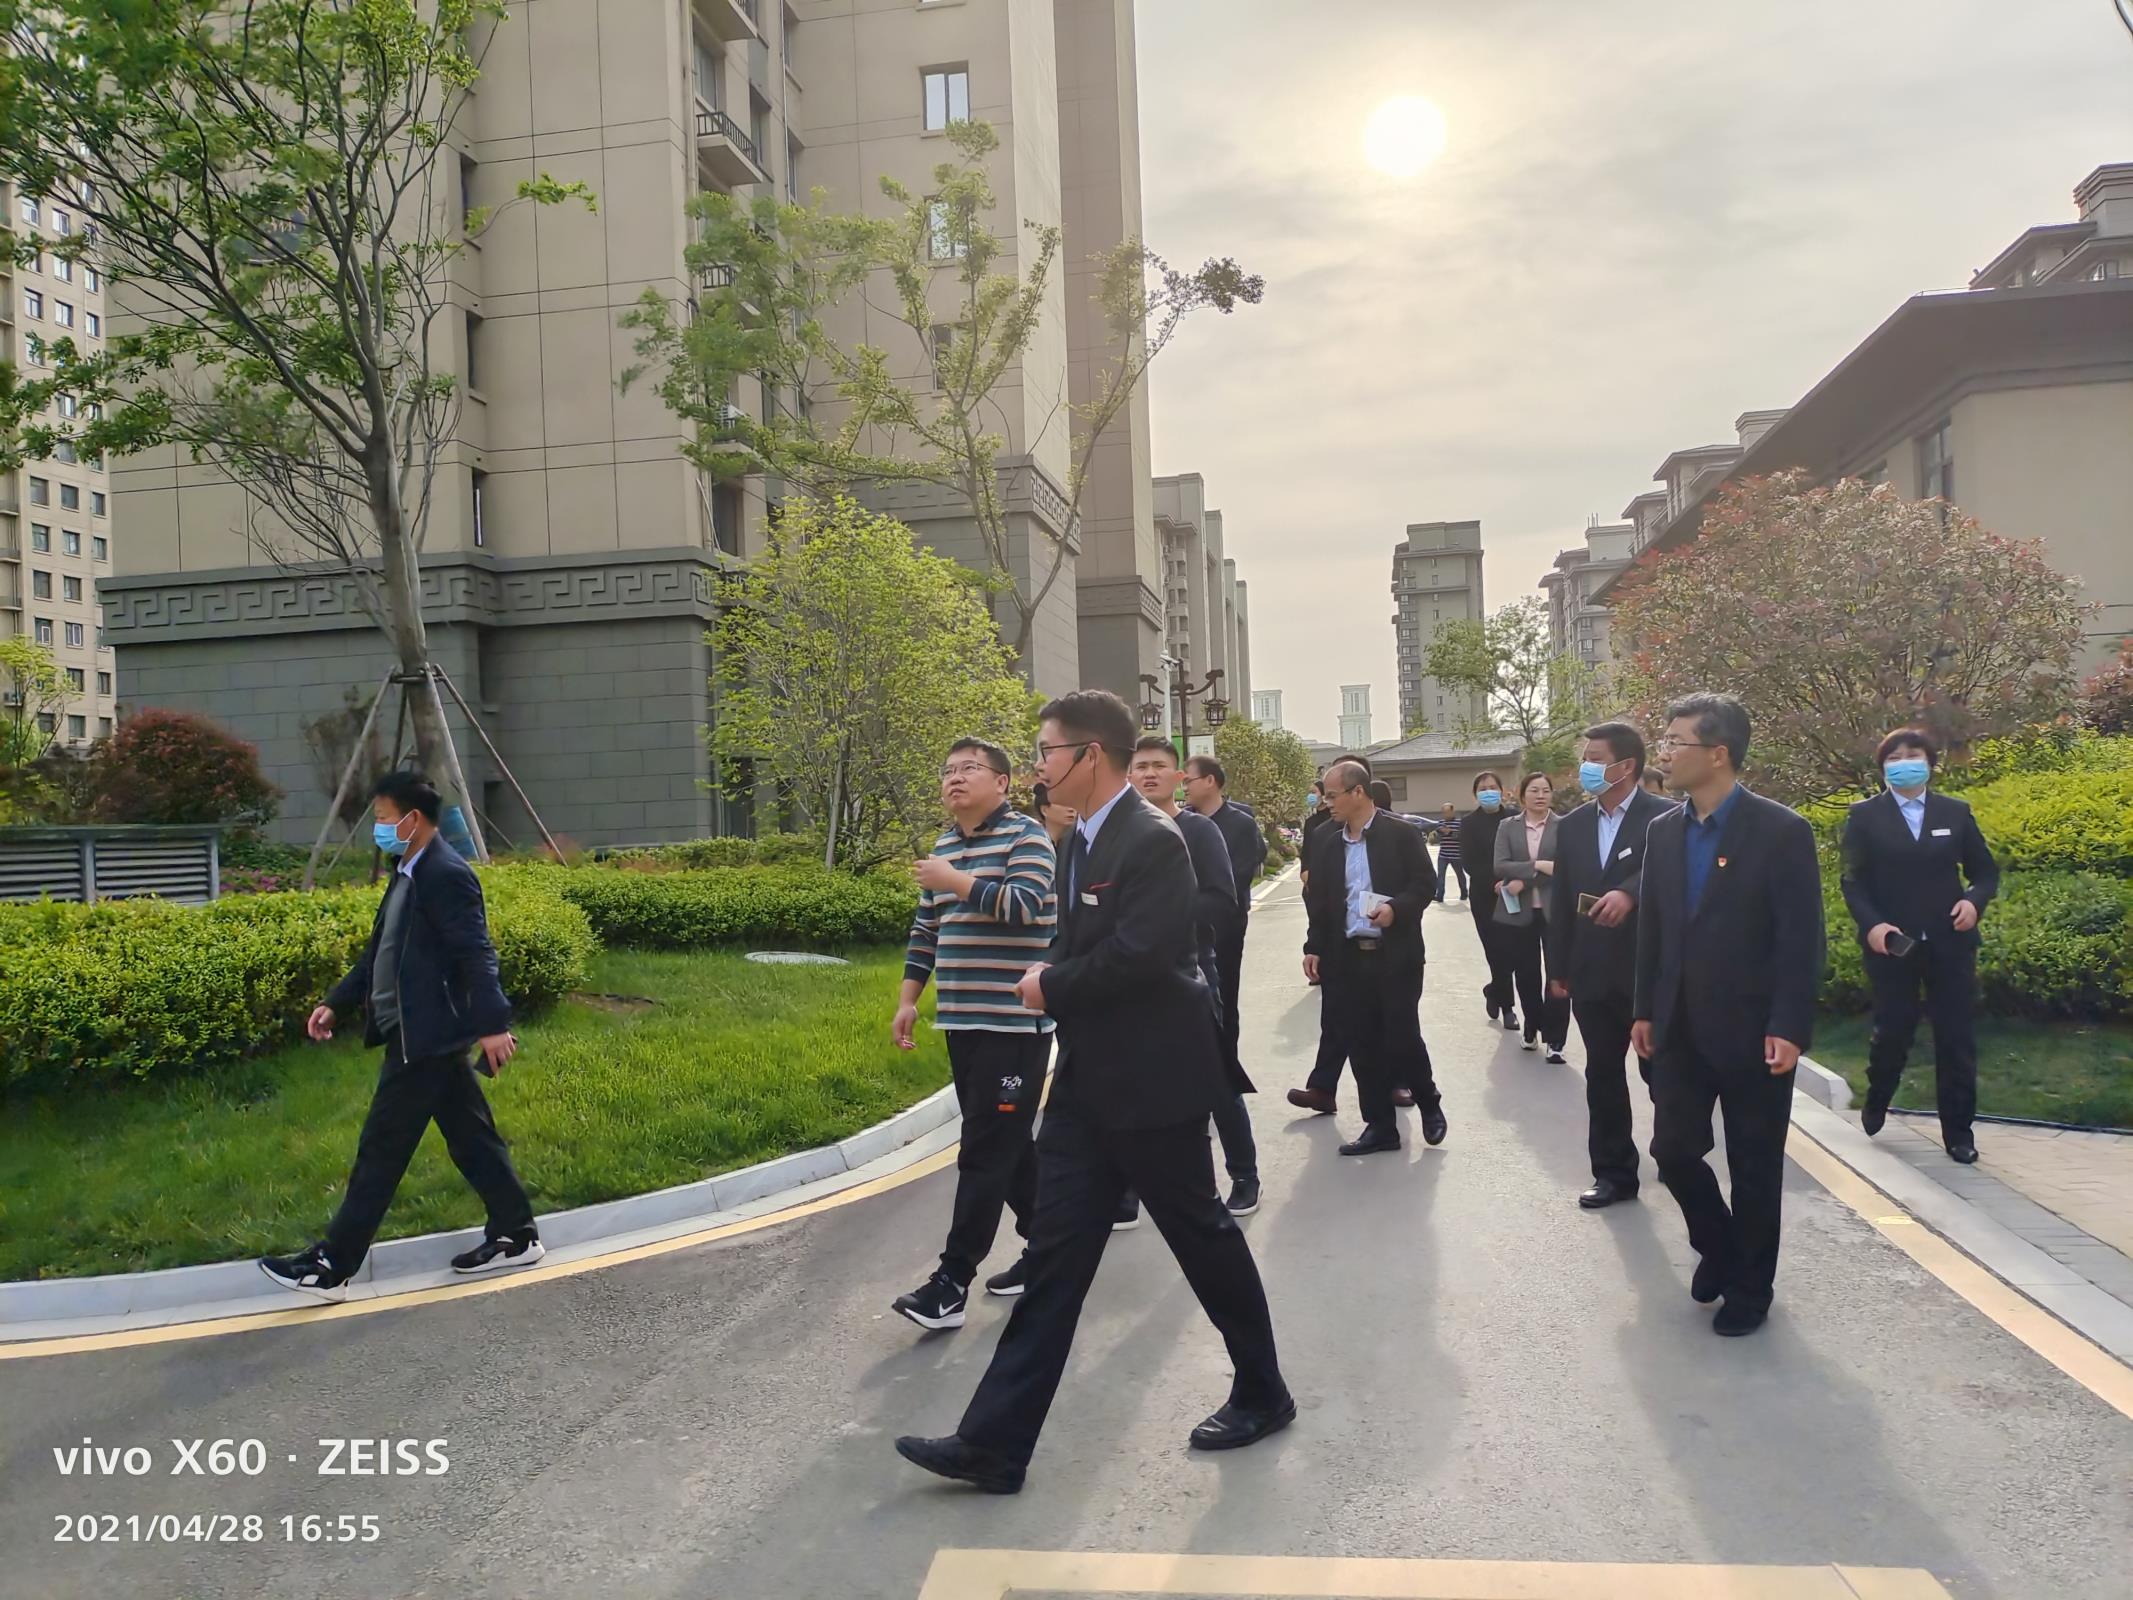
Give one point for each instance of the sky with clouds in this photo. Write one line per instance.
(1651, 216)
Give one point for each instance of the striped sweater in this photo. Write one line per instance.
(976, 950)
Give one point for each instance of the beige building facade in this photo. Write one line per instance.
(56, 539)
(571, 560)
(1207, 607)
(1436, 579)
(1577, 624)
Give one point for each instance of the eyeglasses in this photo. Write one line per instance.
(970, 769)
(1044, 751)
(1686, 744)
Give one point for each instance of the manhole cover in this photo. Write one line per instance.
(795, 958)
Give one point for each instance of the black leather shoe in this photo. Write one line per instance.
(1434, 1127)
(1872, 1115)
(1965, 1153)
(1493, 1006)
(1709, 1282)
(1604, 1193)
(966, 1463)
(1734, 1320)
(1510, 1022)
(1403, 1097)
(1372, 1140)
(1235, 1426)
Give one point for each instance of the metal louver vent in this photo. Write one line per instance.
(31, 871)
(171, 869)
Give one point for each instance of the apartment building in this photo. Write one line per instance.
(1266, 709)
(1436, 578)
(1207, 612)
(570, 563)
(1577, 625)
(56, 542)
(2012, 398)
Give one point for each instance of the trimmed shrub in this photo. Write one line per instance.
(2079, 821)
(176, 766)
(141, 986)
(803, 906)
(703, 855)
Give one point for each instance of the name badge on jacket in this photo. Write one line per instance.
(1625, 852)
(1943, 833)
(1088, 898)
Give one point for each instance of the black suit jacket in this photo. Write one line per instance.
(1399, 869)
(1914, 883)
(1598, 963)
(1138, 1043)
(1216, 902)
(1749, 962)
(449, 993)
(1247, 848)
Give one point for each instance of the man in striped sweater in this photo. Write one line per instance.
(986, 912)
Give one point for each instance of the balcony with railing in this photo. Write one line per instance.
(730, 21)
(724, 150)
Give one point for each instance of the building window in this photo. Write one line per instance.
(32, 303)
(1936, 465)
(92, 280)
(62, 313)
(709, 60)
(65, 452)
(97, 502)
(941, 243)
(40, 538)
(66, 405)
(70, 497)
(947, 96)
(100, 548)
(726, 518)
(46, 722)
(44, 630)
(70, 542)
(77, 680)
(943, 349)
(103, 683)
(2104, 271)
(27, 209)
(792, 165)
(759, 128)
(476, 510)
(77, 727)
(62, 269)
(33, 350)
(74, 636)
(93, 325)
(61, 222)
(70, 589)
(40, 585)
(473, 351)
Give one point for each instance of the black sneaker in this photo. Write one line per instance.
(1510, 1022)
(1011, 1282)
(1243, 1198)
(1556, 1058)
(310, 1273)
(935, 1305)
(501, 1254)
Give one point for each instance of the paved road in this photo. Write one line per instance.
(1484, 1372)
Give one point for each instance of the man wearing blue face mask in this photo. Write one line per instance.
(427, 983)
(1907, 852)
(1477, 843)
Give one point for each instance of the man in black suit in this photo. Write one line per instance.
(1319, 1089)
(1592, 943)
(1207, 792)
(1371, 881)
(1729, 959)
(427, 986)
(1906, 854)
(1139, 1072)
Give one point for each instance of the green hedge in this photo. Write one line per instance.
(2056, 944)
(699, 855)
(141, 986)
(2065, 821)
(760, 906)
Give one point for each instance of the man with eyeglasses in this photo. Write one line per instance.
(986, 910)
(1140, 1071)
(1729, 959)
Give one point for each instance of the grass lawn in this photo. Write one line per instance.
(2078, 1072)
(737, 1062)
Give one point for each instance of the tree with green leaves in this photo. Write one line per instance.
(36, 691)
(849, 659)
(1838, 612)
(773, 277)
(1269, 769)
(272, 188)
(1529, 689)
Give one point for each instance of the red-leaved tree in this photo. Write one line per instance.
(175, 766)
(2107, 698)
(1838, 612)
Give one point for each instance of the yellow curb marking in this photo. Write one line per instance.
(997, 1574)
(547, 1273)
(2089, 1365)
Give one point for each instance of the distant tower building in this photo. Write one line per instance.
(1436, 578)
(1355, 716)
(1266, 709)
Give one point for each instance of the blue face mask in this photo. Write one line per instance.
(1907, 772)
(386, 835)
(1592, 777)
(1490, 799)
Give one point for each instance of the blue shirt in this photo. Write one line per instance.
(1701, 835)
(1610, 826)
(1358, 875)
(1913, 809)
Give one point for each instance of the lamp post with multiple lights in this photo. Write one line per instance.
(1185, 691)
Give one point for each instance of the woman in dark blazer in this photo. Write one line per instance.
(1524, 864)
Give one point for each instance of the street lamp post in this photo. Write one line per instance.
(1215, 710)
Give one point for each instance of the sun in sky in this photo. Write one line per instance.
(1404, 136)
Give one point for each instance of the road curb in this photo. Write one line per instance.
(36, 1310)
(1826, 1086)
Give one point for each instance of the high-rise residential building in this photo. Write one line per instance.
(1207, 623)
(1436, 579)
(2012, 399)
(1355, 716)
(1266, 709)
(570, 560)
(56, 540)
(1577, 625)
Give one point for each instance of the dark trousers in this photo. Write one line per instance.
(1686, 1083)
(1376, 1006)
(409, 1097)
(1332, 1051)
(1610, 1140)
(1445, 870)
(1547, 1020)
(1944, 973)
(1229, 974)
(1082, 1168)
(1496, 950)
(1240, 1151)
(999, 1078)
